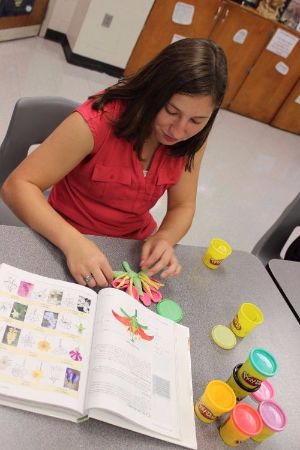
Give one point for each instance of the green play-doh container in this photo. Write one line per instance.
(260, 365)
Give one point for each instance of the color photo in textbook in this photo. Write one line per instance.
(16, 7)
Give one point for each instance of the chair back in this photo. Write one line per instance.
(271, 243)
(33, 119)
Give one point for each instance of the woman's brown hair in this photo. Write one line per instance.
(189, 66)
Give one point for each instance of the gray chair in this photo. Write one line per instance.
(271, 243)
(33, 119)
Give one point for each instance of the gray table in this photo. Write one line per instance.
(207, 297)
(286, 275)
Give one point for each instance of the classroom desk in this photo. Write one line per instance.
(208, 297)
(286, 275)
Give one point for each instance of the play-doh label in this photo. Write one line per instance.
(205, 412)
(250, 379)
(215, 262)
(236, 323)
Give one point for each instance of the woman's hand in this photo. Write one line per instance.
(85, 258)
(158, 254)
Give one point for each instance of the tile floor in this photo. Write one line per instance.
(250, 171)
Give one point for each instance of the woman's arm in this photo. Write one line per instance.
(158, 252)
(23, 190)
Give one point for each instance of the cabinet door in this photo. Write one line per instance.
(159, 29)
(34, 17)
(268, 84)
(288, 116)
(243, 35)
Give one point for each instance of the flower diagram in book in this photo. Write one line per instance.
(135, 329)
(43, 332)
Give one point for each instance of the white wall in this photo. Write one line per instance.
(81, 21)
(75, 25)
(60, 13)
(111, 45)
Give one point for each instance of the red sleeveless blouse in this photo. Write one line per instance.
(107, 193)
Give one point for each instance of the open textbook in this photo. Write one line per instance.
(68, 352)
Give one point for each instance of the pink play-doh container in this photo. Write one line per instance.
(265, 392)
(273, 418)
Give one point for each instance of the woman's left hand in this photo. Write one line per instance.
(158, 254)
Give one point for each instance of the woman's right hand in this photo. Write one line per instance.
(85, 258)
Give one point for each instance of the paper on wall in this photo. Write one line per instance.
(282, 68)
(297, 100)
(240, 36)
(282, 43)
(183, 13)
(177, 37)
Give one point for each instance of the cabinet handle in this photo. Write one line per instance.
(225, 15)
(217, 13)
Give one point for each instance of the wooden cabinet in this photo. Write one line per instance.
(243, 35)
(159, 29)
(35, 17)
(288, 116)
(260, 81)
(267, 85)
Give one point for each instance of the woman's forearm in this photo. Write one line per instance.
(176, 223)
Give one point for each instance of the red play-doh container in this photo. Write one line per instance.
(244, 422)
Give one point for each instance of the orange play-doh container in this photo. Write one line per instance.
(217, 399)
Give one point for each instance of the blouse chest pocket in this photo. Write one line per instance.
(166, 179)
(157, 188)
(109, 183)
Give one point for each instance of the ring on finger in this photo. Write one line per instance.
(88, 278)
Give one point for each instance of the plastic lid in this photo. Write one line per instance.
(221, 246)
(223, 337)
(265, 392)
(169, 309)
(263, 362)
(247, 419)
(221, 395)
(272, 415)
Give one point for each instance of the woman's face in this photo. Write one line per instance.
(182, 117)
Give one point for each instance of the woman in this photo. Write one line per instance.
(114, 157)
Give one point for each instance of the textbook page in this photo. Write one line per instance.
(185, 407)
(46, 328)
(132, 368)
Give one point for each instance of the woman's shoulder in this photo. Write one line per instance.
(111, 110)
(100, 121)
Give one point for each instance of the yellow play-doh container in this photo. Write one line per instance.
(217, 251)
(260, 365)
(247, 318)
(244, 422)
(238, 388)
(217, 399)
